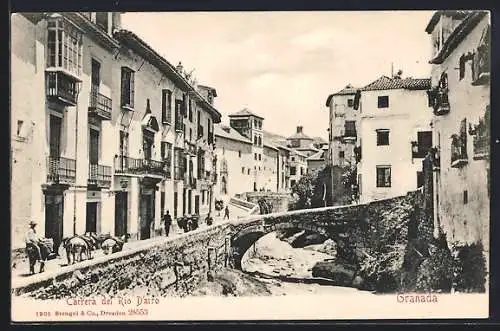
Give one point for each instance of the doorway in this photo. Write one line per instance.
(197, 204)
(147, 212)
(54, 209)
(189, 201)
(121, 213)
(91, 221)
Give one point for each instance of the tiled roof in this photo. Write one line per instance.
(227, 132)
(386, 83)
(457, 14)
(348, 90)
(245, 112)
(300, 135)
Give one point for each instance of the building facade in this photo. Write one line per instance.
(302, 143)
(460, 99)
(395, 136)
(98, 117)
(235, 163)
(298, 166)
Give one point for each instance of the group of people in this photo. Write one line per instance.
(188, 223)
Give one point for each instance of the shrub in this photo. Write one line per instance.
(469, 268)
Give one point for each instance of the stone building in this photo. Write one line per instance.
(107, 151)
(235, 162)
(395, 135)
(460, 100)
(302, 143)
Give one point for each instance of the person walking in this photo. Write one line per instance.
(226, 213)
(167, 222)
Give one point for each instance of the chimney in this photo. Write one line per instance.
(180, 68)
(299, 129)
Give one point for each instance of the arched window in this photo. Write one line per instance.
(255, 140)
(260, 141)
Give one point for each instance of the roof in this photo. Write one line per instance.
(244, 113)
(130, 39)
(225, 131)
(386, 83)
(300, 135)
(319, 156)
(457, 14)
(348, 90)
(310, 148)
(458, 34)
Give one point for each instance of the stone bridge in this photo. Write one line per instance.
(175, 265)
(349, 226)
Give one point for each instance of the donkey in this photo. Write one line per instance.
(114, 244)
(76, 247)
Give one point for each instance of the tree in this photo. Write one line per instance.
(303, 189)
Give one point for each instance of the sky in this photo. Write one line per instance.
(283, 65)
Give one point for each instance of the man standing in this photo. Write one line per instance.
(226, 213)
(167, 219)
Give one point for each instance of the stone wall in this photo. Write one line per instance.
(279, 201)
(167, 267)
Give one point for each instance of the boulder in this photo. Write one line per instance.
(341, 274)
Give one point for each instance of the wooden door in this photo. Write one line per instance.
(121, 212)
(54, 209)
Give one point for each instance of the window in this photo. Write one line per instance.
(383, 101)
(382, 137)
(424, 142)
(255, 123)
(466, 197)
(292, 183)
(179, 121)
(350, 129)
(239, 153)
(166, 156)
(293, 171)
(260, 141)
(202, 197)
(94, 147)
(248, 171)
(301, 171)
(383, 176)
(293, 158)
(242, 170)
(19, 127)
(260, 157)
(255, 141)
(190, 115)
(420, 179)
(127, 87)
(190, 134)
(147, 145)
(350, 103)
(64, 46)
(255, 156)
(55, 136)
(341, 154)
(166, 106)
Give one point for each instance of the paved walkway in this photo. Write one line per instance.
(22, 269)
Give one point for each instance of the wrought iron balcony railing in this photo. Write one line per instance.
(99, 175)
(125, 164)
(61, 170)
(100, 105)
(62, 88)
(190, 148)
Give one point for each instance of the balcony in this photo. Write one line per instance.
(481, 136)
(100, 105)
(438, 99)
(125, 164)
(99, 175)
(349, 135)
(61, 170)
(481, 61)
(62, 88)
(211, 139)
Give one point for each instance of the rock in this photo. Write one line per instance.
(357, 282)
(342, 274)
(307, 238)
